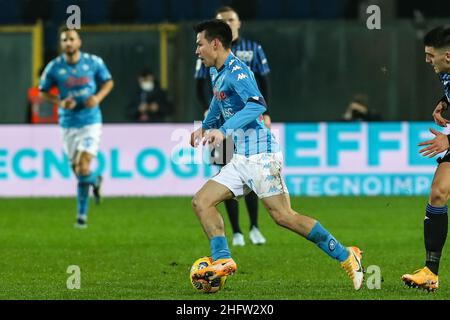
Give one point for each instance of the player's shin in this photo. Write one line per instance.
(325, 241)
(435, 228)
(82, 200)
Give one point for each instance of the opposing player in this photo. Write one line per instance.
(252, 54)
(76, 73)
(437, 54)
(256, 164)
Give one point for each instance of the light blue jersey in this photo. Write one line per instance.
(237, 107)
(78, 81)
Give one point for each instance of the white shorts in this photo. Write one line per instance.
(84, 139)
(260, 173)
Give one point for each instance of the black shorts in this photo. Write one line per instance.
(445, 158)
(222, 155)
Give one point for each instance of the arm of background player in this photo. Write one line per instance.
(96, 99)
(264, 87)
(438, 117)
(200, 88)
(262, 75)
(105, 89)
(252, 110)
(103, 76)
(46, 82)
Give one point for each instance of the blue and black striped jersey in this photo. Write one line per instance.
(445, 79)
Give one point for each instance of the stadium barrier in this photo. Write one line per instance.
(21, 57)
(320, 159)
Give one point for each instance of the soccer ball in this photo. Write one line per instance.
(203, 285)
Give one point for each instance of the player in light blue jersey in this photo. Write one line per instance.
(435, 224)
(76, 75)
(236, 112)
(252, 54)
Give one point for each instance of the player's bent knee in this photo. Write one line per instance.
(281, 218)
(82, 169)
(195, 203)
(438, 196)
(199, 203)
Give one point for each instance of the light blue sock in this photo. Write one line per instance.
(325, 241)
(219, 248)
(83, 198)
(89, 179)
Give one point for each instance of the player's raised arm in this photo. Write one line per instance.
(441, 106)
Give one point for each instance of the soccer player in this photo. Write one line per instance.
(256, 163)
(76, 73)
(437, 54)
(252, 54)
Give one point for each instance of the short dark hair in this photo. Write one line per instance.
(438, 37)
(65, 29)
(216, 29)
(225, 9)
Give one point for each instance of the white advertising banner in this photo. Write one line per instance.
(157, 160)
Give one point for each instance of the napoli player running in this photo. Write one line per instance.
(435, 225)
(76, 73)
(256, 163)
(252, 54)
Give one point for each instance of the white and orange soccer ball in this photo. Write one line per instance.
(203, 285)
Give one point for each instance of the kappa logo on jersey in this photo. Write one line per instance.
(244, 55)
(242, 76)
(236, 68)
(231, 62)
(62, 72)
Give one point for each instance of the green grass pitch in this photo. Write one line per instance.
(142, 248)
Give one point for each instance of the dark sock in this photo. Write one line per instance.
(232, 207)
(251, 200)
(435, 227)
